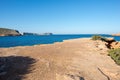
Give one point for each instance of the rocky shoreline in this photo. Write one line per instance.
(77, 59)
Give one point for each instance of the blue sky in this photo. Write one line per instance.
(61, 16)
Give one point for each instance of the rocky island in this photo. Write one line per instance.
(9, 32)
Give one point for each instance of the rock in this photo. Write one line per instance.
(115, 45)
(101, 46)
(108, 40)
(111, 39)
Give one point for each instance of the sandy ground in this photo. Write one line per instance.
(78, 59)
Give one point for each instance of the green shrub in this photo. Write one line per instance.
(96, 37)
(115, 55)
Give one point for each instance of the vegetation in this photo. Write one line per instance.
(96, 37)
(115, 55)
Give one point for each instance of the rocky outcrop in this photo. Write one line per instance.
(115, 45)
(111, 43)
(8, 32)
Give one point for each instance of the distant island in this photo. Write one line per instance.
(118, 34)
(27, 33)
(9, 32)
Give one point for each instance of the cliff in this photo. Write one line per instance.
(8, 32)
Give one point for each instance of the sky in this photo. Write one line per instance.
(61, 16)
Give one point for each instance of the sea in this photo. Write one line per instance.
(30, 40)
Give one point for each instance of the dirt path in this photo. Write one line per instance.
(79, 59)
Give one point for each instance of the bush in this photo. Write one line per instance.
(96, 37)
(115, 55)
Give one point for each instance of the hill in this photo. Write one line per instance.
(9, 32)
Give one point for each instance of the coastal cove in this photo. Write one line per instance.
(30, 40)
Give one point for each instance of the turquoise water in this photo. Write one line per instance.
(29, 40)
